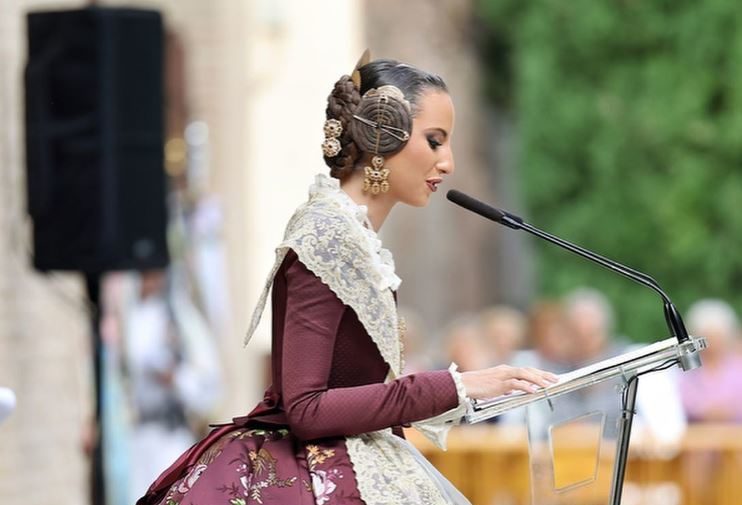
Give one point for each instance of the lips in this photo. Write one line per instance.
(433, 183)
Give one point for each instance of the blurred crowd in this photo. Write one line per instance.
(569, 333)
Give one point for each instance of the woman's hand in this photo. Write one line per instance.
(502, 379)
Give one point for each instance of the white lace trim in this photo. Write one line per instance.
(332, 237)
(381, 258)
(387, 472)
(460, 388)
(436, 428)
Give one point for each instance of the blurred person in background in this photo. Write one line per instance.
(548, 342)
(660, 419)
(504, 331)
(549, 336)
(589, 319)
(565, 336)
(589, 331)
(329, 427)
(162, 377)
(464, 344)
(712, 393)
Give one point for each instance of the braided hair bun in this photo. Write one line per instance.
(383, 121)
(341, 105)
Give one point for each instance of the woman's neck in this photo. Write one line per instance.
(378, 206)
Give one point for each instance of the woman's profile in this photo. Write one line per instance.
(329, 429)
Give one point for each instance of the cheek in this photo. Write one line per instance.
(417, 155)
(407, 166)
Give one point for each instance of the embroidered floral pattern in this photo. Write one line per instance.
(259, 463)
(256, 470)
(191, 478)
(324, 481)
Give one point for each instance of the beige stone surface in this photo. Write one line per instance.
(43, 320)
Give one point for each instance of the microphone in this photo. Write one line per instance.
(672, 316)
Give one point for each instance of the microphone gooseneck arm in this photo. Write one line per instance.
(672, 315)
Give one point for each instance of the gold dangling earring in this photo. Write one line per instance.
(376, 177)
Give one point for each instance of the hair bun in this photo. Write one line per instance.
(383, 116)
(341, 104)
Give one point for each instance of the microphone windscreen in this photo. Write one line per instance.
(474, 205)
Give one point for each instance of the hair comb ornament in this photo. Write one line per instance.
(355, 76)
(382, 127)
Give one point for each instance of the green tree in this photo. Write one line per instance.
(629, 116)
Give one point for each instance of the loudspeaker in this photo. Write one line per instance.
(94, 139)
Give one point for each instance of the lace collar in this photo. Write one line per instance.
(382, 259)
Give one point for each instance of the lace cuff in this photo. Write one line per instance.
(460, 389)
(436, 428)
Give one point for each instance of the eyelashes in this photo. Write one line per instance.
(434, 144)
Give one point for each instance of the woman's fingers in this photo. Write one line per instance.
(532, 375)
(502, 379)
(552, 378)
(520, 385)
(543, 379)
(528, 376)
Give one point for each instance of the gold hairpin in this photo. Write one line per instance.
(356, 74)
(397, 133)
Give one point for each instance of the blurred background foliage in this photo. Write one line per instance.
(629, 122)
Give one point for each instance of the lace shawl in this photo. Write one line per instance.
(332, 237)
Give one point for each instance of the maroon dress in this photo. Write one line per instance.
(328, 383)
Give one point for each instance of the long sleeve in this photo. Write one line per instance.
(313, 316)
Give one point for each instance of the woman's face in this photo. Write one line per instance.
(417, 170)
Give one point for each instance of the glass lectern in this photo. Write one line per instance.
(579, 428)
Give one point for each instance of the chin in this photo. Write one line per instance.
(421, 201)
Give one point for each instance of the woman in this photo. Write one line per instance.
(329, 428)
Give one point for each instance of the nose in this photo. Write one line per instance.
(446, 164)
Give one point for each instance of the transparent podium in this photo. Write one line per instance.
(579, 428)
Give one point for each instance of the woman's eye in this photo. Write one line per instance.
(434, 144)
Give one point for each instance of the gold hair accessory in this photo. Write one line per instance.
(331, 145)
(381, 127)
(376, 177)
(356, 74)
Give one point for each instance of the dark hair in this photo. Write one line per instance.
(344, 99)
